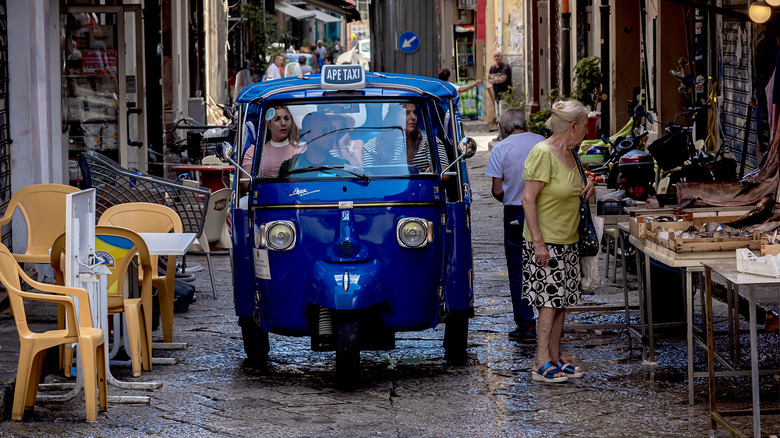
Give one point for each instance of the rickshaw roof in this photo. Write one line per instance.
(402, 84)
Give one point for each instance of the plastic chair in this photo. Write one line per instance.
(211, 160)
(122, 245)
(39, 205)
(215, 228)
(143, 217)
(33, 345)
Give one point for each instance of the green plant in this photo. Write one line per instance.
(514, 98)
(587, 73)
(537, 120)
(262, 28)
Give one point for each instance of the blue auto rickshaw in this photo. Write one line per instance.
(362, 232)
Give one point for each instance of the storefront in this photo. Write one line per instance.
(103, 83)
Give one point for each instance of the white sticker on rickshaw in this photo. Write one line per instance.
(262, 266)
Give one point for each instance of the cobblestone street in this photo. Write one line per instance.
(408, 392)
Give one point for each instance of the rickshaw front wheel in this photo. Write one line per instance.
(256, 345)
(348, 355)
(456, 337)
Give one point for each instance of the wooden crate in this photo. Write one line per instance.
(637, 225)
(680, 225)
(769, 249)
(703, 244)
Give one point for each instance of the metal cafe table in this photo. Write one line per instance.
(728, 270)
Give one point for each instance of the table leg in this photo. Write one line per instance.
(754, 364)
(649, 309)
(689, 331)
(710, 345)
(730, 304)
(640, 294)
(625, 288)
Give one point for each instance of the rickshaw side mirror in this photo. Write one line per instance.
(467, 147)
(224, 152)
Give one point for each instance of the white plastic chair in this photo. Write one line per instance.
(215, 228)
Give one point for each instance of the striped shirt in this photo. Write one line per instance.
(397, 154)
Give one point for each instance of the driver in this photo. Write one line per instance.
(316, 128)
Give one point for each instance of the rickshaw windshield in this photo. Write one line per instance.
(326, 140)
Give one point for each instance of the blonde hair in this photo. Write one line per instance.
(565, 112)
(294, 136)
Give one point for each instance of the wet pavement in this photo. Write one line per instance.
(407, 392)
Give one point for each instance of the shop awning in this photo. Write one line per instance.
(293, 11)
(325, 18)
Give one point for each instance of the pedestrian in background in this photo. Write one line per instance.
(551, 261)
(337, 47)
(305, 68)
(444, 75)
(275, 69)
(507, 161)
(321, 49)
(500, 75)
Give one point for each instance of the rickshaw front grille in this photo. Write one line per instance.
(347, 249)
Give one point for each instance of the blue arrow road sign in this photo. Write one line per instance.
(408, 42)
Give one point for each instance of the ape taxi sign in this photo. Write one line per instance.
(343, 77)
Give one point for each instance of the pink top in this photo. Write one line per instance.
(274, 154)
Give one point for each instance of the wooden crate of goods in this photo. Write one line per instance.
(637, 225)
(770, 245)
(682, 240)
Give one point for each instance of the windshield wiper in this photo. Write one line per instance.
(325, 169)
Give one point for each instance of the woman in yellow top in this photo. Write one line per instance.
(551, 263)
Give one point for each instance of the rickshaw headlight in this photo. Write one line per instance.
(279, 235)
(414, 232)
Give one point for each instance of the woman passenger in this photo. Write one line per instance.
(551, 262)
(283, 143)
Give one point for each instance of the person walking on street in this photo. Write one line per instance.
(551, 261)
(336, 47)
(444, 75)
(500, 75)
(321, 49)
(305, 67)
(275, 70)
(507, 160)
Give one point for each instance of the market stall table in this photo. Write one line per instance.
(728, 270)
(689, 263)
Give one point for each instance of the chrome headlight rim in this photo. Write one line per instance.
(426, 225)
(265, 239)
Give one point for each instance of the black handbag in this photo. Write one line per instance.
(589, 241)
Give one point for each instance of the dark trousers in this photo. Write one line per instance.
(514, 217)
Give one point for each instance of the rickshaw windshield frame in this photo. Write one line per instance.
(348, 116)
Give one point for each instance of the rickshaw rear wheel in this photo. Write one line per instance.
(256, 344)
(348, 355)
(456, 337)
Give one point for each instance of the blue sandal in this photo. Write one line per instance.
(571, 371)
(546, 373)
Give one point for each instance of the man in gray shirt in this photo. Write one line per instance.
(507, 161)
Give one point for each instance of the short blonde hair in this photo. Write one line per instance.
(565, 112)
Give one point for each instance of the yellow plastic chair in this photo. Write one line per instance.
(33, 345)
(143, 217)
(214, 228)
(43, 208)
(121, 246)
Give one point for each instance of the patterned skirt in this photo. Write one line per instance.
(557, 284)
